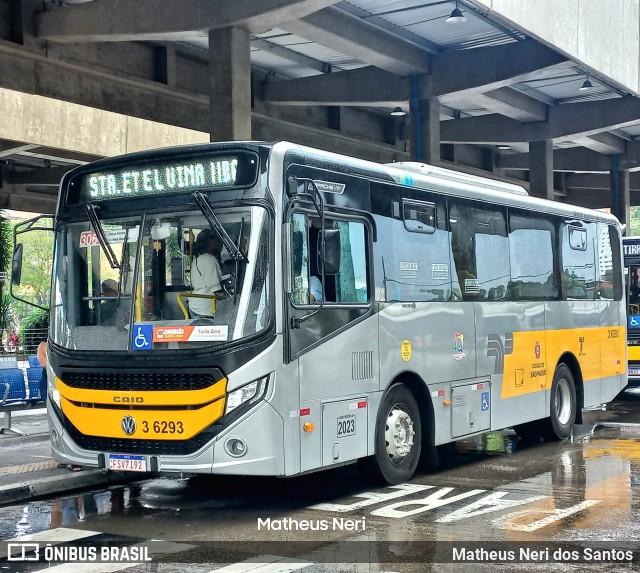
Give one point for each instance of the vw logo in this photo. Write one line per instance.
(128, 425)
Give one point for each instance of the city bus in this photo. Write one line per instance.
(450, 305)
(631, 249)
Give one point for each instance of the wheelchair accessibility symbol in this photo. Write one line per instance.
(634, 320)
(484, 399)
(142, 337)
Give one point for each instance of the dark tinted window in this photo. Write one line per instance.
(532, 254)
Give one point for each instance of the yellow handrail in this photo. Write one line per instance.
(190, 294)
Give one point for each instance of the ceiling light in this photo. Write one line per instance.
(398, 112)
(504, 147)
(456, 16)
(587, 86)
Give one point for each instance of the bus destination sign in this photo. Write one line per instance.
(160, 178)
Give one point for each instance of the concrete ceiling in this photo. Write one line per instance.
(326, 73)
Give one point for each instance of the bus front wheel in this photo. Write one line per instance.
(563, 406)
(398, 438)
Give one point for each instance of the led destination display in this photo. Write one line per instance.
(166, 177)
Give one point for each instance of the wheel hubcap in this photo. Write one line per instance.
(563, 402)
(398, 434)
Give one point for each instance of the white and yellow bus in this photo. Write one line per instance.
(450, 305)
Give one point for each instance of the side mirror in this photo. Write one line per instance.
(329, 261)
(16, 265)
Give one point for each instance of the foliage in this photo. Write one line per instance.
(634, 223)
(37, 266)
(34, 327)
(6, 311)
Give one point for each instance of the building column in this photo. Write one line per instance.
(541, 169)
(621, 196)
(229, 85)
(424, 116)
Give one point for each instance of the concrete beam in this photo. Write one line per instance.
(573, 159)
(464, 73)
(11, 148)
(564, 122)
(368, 86)
(20, 200)
(361, 40)
(121, 20)
(46, 177)
(513, 104)
(288, 55)
(605, 143)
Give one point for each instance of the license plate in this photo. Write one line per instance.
(634, 371)
(347, 425)
(126, 463)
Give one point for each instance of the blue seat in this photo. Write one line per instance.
(17, 387)
(33, 362)
(33, 380)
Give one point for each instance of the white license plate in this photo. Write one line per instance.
(126, 463)
(634, 371)
(347, 425)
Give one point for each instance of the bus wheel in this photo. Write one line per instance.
(398, 436)
(559, 424)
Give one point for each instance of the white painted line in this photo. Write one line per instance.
(264, 564)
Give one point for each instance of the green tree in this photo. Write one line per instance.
(634, 223)
(37, 265)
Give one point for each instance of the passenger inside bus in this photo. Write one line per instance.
(109, 308)
(205, 273)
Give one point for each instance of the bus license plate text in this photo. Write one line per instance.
(124, 463)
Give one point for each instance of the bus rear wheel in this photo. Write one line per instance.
(398, 438)
(563, 406)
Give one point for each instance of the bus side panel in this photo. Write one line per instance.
(434, 340)
(337, 378)
(614, 349)
(574, 327)
(511, 349)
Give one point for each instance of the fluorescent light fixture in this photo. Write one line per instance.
(504, 147)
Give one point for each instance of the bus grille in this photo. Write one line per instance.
(139, 381)
(150, 447)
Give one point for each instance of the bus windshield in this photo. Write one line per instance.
(124, 284)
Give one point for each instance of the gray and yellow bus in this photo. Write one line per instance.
(449, 305)
(631, 249)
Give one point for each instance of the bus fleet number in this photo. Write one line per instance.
(347, 425)
(614, 333)
(163, 427)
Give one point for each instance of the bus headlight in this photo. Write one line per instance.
(248, 394)
(54, 393)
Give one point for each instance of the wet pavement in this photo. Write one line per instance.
(580, 497)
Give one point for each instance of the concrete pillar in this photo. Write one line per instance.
(424, 117)
(541, 169)
(621, 197)
(229, 85)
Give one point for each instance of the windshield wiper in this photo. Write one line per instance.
(217, 227)
(92, 213)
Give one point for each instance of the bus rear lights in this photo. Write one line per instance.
(248, 394)
(235, 447)
(308, 427)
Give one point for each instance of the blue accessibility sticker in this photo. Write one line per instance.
(484, 398)
(142, 337)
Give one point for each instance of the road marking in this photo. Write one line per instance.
(264, 564)
(372, 497)
(88, 568)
